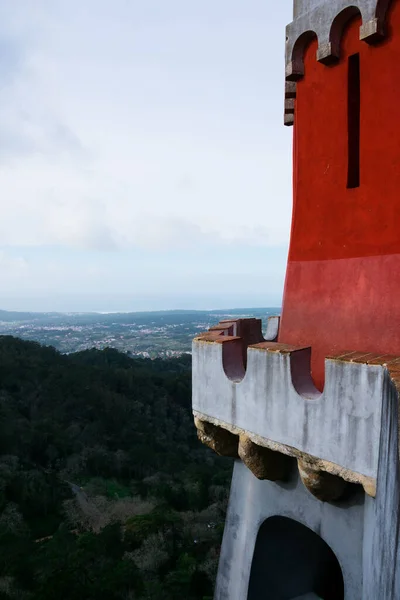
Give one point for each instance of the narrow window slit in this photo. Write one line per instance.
(353, 115)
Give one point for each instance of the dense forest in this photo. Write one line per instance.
(105, 491)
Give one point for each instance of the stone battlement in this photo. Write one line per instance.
(269, 407)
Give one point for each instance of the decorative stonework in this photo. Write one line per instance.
(290, 102)
(326, 20)
(262, 468)
(218, 439)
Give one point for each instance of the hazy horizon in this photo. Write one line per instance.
(127, 307)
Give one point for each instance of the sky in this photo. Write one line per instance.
(144, 164)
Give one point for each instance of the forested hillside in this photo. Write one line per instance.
(105, 491)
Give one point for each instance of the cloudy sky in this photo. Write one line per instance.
(143, 160)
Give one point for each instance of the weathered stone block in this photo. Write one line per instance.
(218, 439)
(262, 462)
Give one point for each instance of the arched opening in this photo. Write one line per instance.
(339, 25)
(299, 48)
(291, 562)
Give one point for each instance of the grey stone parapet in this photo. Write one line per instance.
(326, 20)
(261, 393)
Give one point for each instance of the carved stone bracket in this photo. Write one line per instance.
(272, 465)
(218, 439)
(263, 462)
(321, 484)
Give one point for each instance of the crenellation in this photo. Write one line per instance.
(277, 370)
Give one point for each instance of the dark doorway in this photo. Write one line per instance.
(290, 561)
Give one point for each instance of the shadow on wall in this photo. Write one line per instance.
(291, 562)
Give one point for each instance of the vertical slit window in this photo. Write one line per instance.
(353, 123)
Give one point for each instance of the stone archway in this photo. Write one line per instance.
(291, 562)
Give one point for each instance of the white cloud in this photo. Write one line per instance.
(126, 127)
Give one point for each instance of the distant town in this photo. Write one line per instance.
(142, 334)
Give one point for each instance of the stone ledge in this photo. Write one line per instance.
(310, 464)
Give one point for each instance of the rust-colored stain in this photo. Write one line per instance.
(277, 347)
(217, 339)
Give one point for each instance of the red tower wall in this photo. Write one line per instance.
(342, 286)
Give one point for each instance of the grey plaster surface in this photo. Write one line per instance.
(271, 333)
(301, 7)
(341, 426)
(253, 501)
(382, 515)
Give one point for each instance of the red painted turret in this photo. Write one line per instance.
(342, 287)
